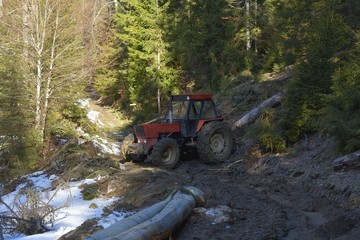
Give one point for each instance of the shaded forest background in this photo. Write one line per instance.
(135, 52)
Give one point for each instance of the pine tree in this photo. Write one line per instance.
(341, 116)
(306, 94)
(139, 73)
(198, 37)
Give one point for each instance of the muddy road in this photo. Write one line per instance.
(289, 196)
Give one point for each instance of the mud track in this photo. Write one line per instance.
(290, 196)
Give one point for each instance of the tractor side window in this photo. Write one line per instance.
(208, 110)
(179, 109)
(195, 110)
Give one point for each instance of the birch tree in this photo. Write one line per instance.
(46, 38)
(96, 22)
(1, 4)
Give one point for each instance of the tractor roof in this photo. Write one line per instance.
(185, 97)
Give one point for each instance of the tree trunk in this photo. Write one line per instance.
(50, 73)
(255, 38)
(348, 161)
(157, 221)
(1, 4)
(255, 113)
(248, 39)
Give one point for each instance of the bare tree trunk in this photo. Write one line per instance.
(256, 13)
(48, 90)
(256, 112)
(159, 92)
(38, 35)
(158, 62)
(116, 4)
(248, 39)
(1, 4)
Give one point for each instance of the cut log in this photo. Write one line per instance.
(348, 161)
(157, 221)
(256, 112)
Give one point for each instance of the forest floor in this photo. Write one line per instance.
(295, 195)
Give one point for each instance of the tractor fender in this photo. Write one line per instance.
(201, 122)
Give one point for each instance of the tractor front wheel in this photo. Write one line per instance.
(166, 153)
(215, 142)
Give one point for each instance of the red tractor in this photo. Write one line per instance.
(191, 121)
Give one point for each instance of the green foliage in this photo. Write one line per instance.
(60, 126)
(140, 64)
(19, 143)
(266, 132)
(305, 97)
(306, 93)
(64, 123)
(90, 191)
(74, 112)
(286, 31)
(341, 116)
(198, 39)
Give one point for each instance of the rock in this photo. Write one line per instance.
(220, 214)
(355, 199)
(93, 206)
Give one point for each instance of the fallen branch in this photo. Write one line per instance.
(348, 161)
(157, 221)
(256, 112)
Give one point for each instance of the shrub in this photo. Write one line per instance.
(90, 191)
(341, 116)
(266, 132)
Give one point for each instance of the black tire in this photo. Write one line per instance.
(166, 153)
(215, 142)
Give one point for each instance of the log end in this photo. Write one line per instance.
(197, 194)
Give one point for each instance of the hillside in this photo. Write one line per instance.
(76, 76)
(292, 195)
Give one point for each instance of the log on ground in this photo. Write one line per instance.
(256, 112)
(351, 160)
(157, 221)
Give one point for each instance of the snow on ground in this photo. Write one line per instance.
(91, 114)
(69, 217)
(76, 210)
(101, 143)
(105, 146)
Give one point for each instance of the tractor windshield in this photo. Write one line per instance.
(179, 109)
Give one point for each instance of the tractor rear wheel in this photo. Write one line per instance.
(166, 153)
(215, 142)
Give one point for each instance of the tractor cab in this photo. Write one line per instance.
(191, 112)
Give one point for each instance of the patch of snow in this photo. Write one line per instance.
(84, 102)
(106, 146)
(74, 209)
(91, 114)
